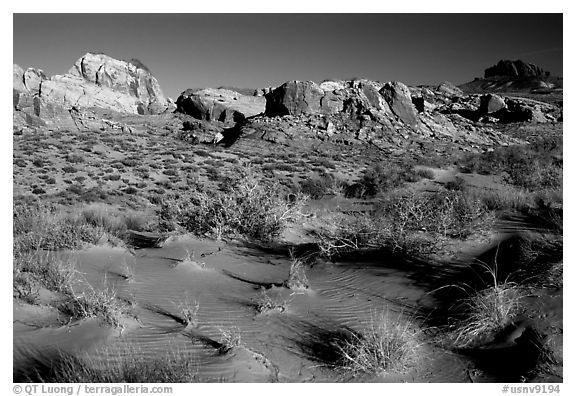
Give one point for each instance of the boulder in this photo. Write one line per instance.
(219, 105)
(449, 89)
(294, 98)
(398, 98)
(491, 104)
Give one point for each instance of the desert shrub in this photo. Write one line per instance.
(69, 169)
(457, 184)
(75, 158)
(130, 162)
(249, 206)
(443, 213)
(425, 173)
(130, 190)
(387, 345)
(325, 184)
(381, 177)
(407, 221)
(202, 153)
(349, 233)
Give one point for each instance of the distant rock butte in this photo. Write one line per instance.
(515, 68)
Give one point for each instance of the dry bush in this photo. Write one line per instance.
(407, 221)
(248, 206)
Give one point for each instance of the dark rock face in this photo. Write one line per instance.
(516, 69)
(419, 103)
(398, 98)
(296, 97)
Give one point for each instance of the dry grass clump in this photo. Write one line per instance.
(230, 339)
(246, 206)
(487, 311)
(35, 269)
(509, 198)
(189, 309)
(297, 279)
(103, 304)
(265, 304)
(128, 366)
(388, 345)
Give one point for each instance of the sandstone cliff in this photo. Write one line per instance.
(95, 81)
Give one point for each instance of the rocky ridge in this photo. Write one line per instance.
(100, 93)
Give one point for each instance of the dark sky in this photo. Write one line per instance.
(258, 50)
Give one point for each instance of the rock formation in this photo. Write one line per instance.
(95, 81)
(219, 105)
(516, 69)
(514, 76)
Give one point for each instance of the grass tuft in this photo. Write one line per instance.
(487, 311)
(388, 345)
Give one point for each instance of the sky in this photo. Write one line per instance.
(260, 50)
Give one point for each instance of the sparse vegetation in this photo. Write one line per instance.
(130, 365)
(407, 221)
(533, 167)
